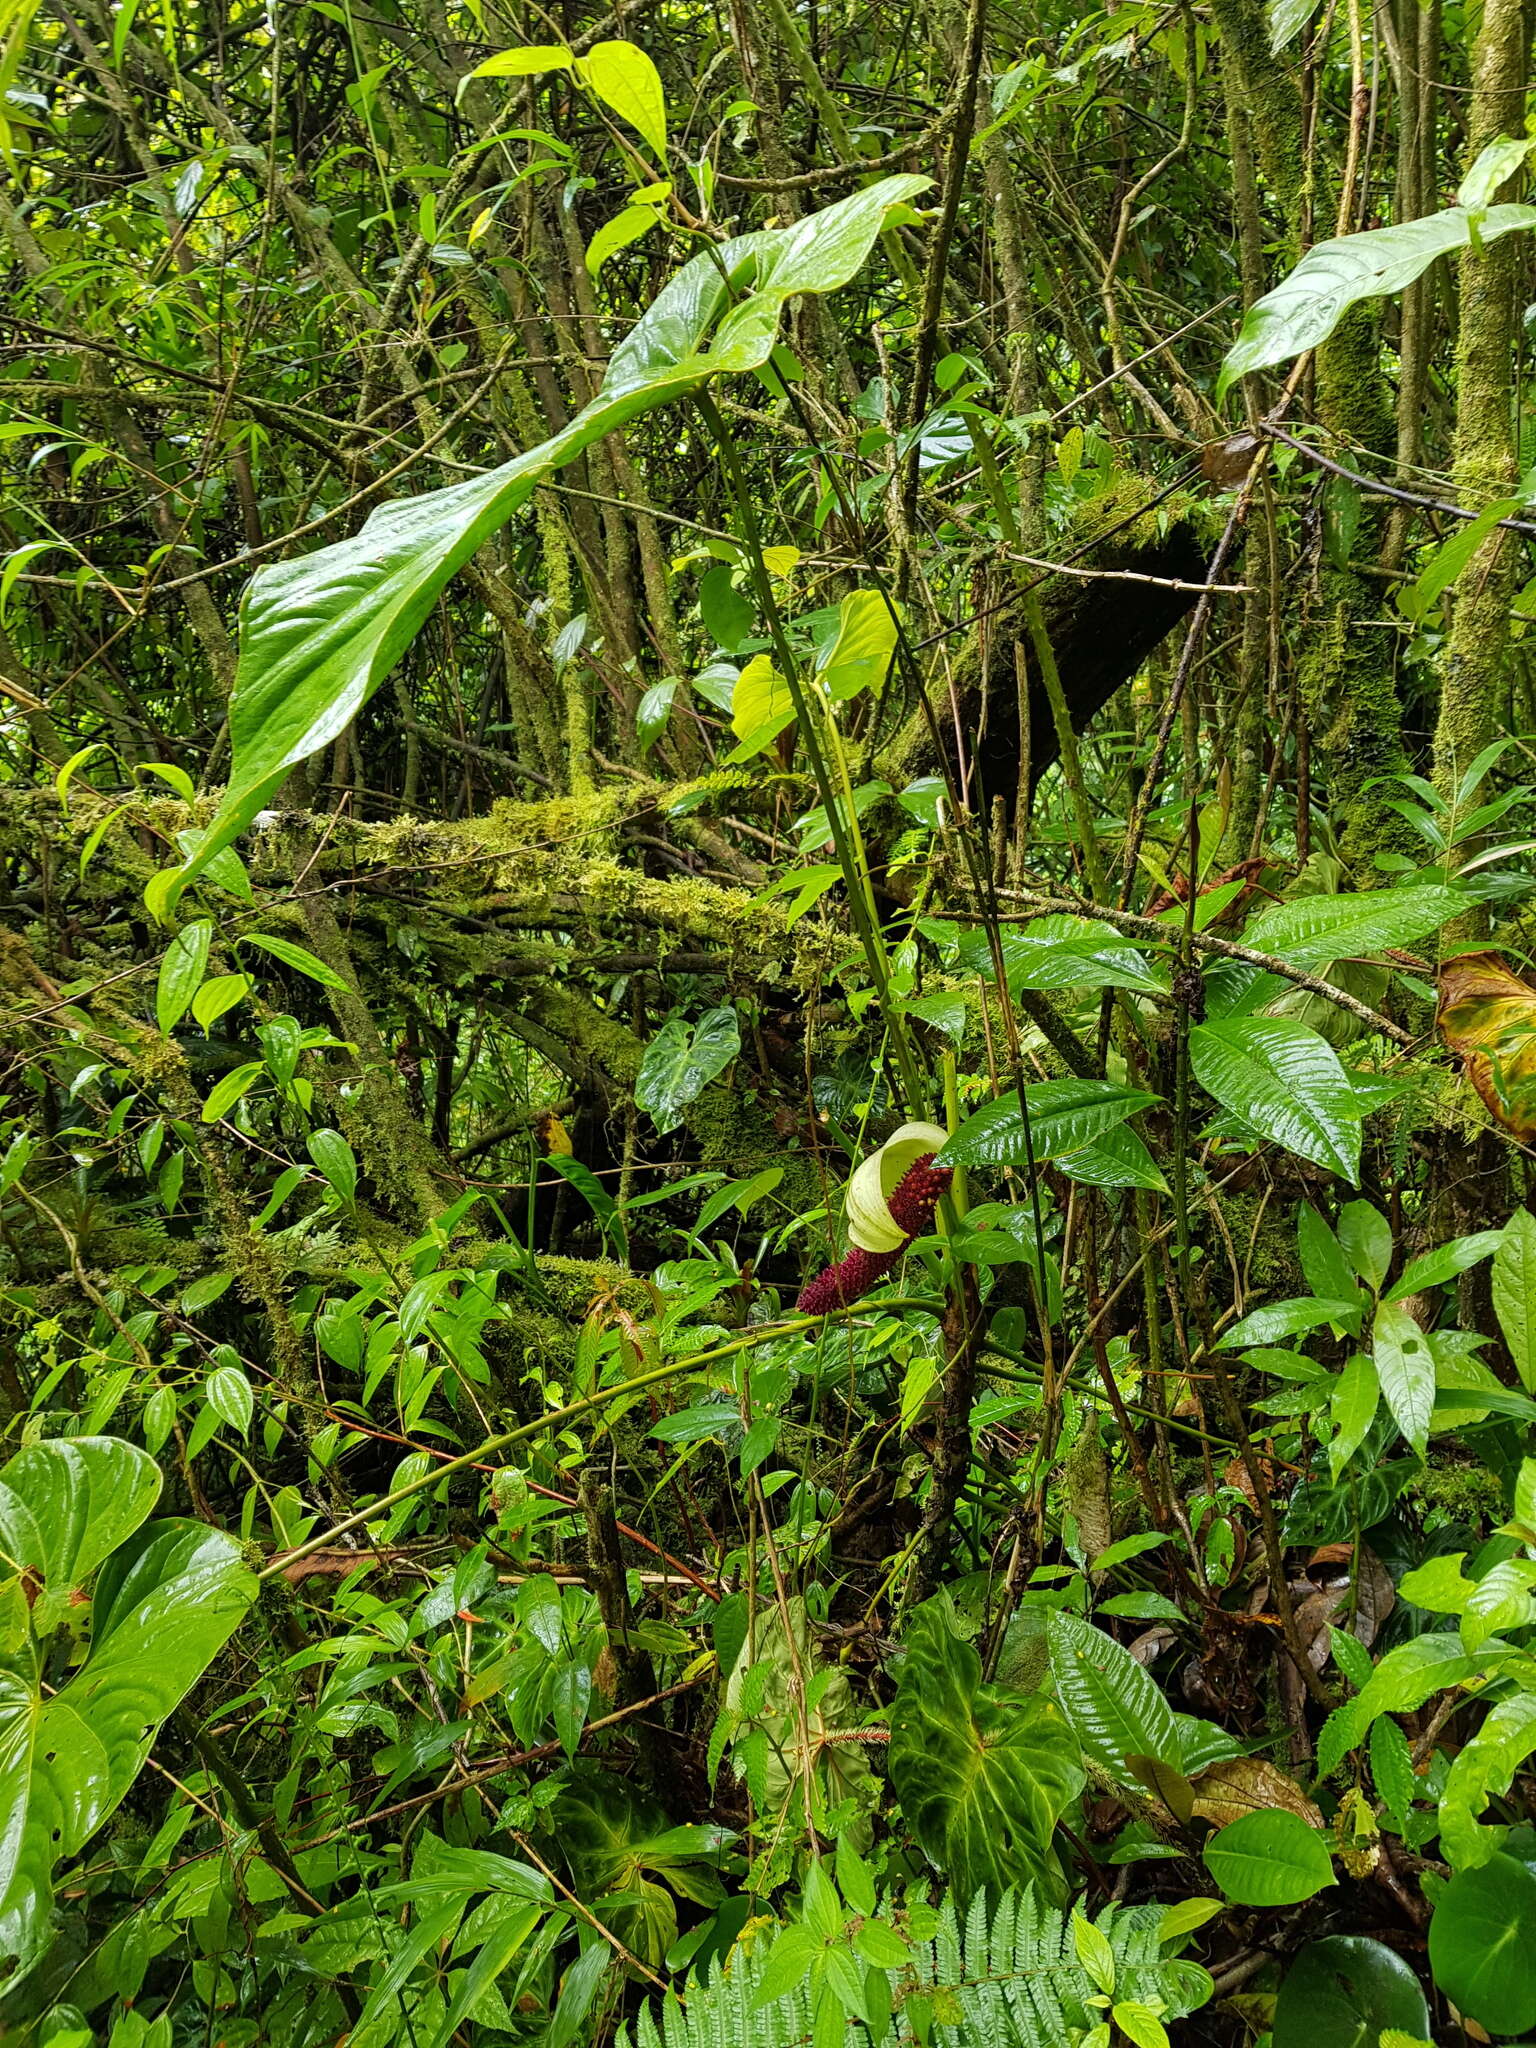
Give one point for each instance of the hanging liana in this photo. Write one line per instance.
(890, 1201)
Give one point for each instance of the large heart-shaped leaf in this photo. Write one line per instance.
(164, 1603)
(321, 632)
(1480, 1945)
(1305, 307)
(1064, 1116)
(681, 1061)
(983, 1773)
(1346, 1991)
(1285, 1082)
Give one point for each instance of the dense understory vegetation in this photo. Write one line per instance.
(767, 1058)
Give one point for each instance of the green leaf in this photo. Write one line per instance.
(1433, 1269)
(227, 1091)
(1417, 599)
(626, 226)
(1117, 1160)
(1344, 1992)
(859, 657)
(1279, 1319)
(322, 631)
(625, 79)
(681, 1061)
(1480, 1945)
(1404, 1679)
(338, 1162)
(761, 707)
(1484, 1769)
(526, 62)
(181, 972)
(216, 997)
(1405, 1368)
(1074, 952)
(1314, 931)
(165, 1601)
(1269, 1858)
(1285, 1082)
(1514, 1293)
(652, 713)
(1323, 1261)
(1064, 1116)
(1117, 1711)
(983, 1773)
(1287, 19)
(298, 958)
(229, 1396)
(1333, 276)
(1352, 1404)
(1366, 1236)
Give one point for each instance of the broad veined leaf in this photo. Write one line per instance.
(859, 656)
(1480, 1945)
(761, 707)
(321, 632)
(1270, 1858)
(1348, 1991)
(1487, 1016)
(1075, 952)
(983, 1772)
(624, 78)
(1116, 1709)
(1119, 1159)
(164, 1602)
(681, 1061)
(1314, 931)
(1403, 1680)
(1305, 308)
(1405, 1368)
(1064, 1116)
(1285, 1083)
(1485, 1769)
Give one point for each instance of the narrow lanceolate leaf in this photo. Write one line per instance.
(181, 972)
(1285, 1082)
(1064, 1116)
(1514, 1293)
(321, 632)
(1333, 276)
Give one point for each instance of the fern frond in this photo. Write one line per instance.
(1010, 1979)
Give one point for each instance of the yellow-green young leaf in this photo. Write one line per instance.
(1094, 1952)
(781, 562)
(181, 972)
(298, 958)
(72, 767)
(761, 706)
(229, 1091)
(1139, 2023)
(1185, 1918)
(625, 79)
(219, 995)
(625, 227)
(860, 657)
(527, 62)
(97, 834)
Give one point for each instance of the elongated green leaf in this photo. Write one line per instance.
(983, 1773)
(1405, 1367)
(1066, 952)
(1333, 276)
(321, 632)
(1403, 1680)
(1314, 931)
(181, 972)
(1484, 1770)
(226, 1092)
(681, 1061)
(526, 62)
(299, 958)
(1514, 1293)
(338, 1162)
(1064, 1116)
(164, 1603)
(1269, 1858)
(1116, 1709)
(1117, 1160)
(1286, 1082)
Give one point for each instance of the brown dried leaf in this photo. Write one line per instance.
(1249, 1784)
(1487, 1016)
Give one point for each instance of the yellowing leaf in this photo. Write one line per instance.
(781, 562)
(626, 80)
(860, 656)
(527, 62)
(1487, 1016)
(625, 227)
(760, 699)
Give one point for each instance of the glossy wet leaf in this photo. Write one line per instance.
(983, 1772)
(1345, 1990)
(1269, 1858)
(681, 1061)
(1064, 1116)
(1285, 1082)
(1117, 1710)
(321, 632)
(1480, 1945)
